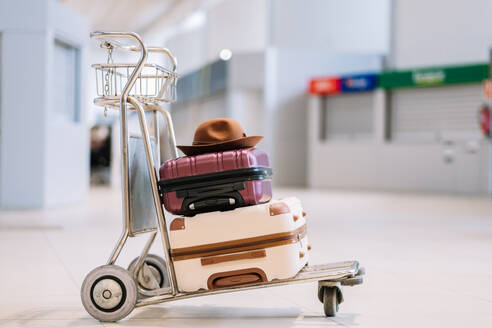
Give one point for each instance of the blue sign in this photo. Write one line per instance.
(358, 83)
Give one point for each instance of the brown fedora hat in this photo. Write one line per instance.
(219, 134)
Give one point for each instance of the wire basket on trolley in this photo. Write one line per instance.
(154, 83)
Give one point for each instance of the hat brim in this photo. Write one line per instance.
(244, 142)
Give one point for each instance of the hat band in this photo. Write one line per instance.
(202, 143)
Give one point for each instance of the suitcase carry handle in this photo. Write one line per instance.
(214, 198)
(236, 278)
(227, 203)
(218, 203)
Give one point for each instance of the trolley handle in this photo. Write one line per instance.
(165, 51)
(132, 48)
(108, 40)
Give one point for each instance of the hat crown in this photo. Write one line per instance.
(218, 130)
(219, 134)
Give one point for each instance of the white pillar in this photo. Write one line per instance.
(380, 115)
(43, 154)
(314, 133)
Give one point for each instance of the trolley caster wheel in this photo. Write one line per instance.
(153, 274)
(109, 293)
(330, 301)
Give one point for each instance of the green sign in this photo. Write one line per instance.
(434, 76)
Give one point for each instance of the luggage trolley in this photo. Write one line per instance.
(110, 292)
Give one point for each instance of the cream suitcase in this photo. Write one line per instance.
(247, 245)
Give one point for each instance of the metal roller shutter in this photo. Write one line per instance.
(348, 117)
(435, 114)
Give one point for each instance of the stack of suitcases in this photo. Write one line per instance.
(230, 231)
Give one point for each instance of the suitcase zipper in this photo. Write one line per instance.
(215, 178)
(239, 245)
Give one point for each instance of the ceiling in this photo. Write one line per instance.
(133, 15)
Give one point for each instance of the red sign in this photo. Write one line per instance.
(325, 86)
(484, 120)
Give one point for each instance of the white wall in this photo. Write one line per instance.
(266, 92)
(188, 116)
(44, 160)
(242, 100)
(251, 26)
(21, 132)
(300, 41)
(425, 33)
(359, 26)
(440, 32)
(189, 48)
(67, 143)
(397, 167)
(386, 165)
(240, 26)
(287, 76)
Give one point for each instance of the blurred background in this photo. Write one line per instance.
(379, 107)
(356, 95)
(373, 95)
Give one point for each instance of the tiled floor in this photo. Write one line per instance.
(428, 259)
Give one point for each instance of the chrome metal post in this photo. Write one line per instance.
(143, 255)
(157, 201)
(170, 127)
(119, 246)
(124, 130)
(155, 120)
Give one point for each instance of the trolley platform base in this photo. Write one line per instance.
(334, 275)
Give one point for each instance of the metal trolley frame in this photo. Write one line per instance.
(109, 292)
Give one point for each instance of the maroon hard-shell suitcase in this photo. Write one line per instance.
(218, 181)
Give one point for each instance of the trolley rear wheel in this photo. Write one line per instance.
(109, 293)
(153, 274)
(330, 301)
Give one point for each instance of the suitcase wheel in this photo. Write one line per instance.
(330, 301)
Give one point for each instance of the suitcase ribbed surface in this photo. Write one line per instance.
(213, 162)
